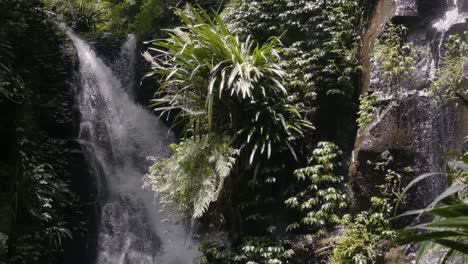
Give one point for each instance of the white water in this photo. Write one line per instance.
(118, 135)
(452, 16)
(125, 65)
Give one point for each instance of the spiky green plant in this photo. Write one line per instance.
(449, 229)
(194, 175)
(224, 85)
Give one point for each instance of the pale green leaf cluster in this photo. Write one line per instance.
(395, 58)
(227, 86)
(252, 250)
(366, 236)
(320, 37)
(367, 109)
(321, 201)
(206, 63)
(451, 72)
(194, 175)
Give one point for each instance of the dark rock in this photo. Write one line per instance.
(464, 6)
(415, 131)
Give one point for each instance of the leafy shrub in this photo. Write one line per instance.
(83, 15)
(449, 228)
(194, 175)
(321, 201)
(368, 109)
(323, 60)
(396, 59)
(38, 195)
(226, 86)
(451, 73)
(368, 235)
(11, 84)
(252, 250)
(150, 10)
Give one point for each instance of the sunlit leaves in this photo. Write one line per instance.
(368, 109)
(449, 78)
(396, 59)
(193, 177)
(366, 236)
(226, 85)
(252, 250)
(449, 228)
(321, 202)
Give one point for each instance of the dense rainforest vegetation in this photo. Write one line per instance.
(268, 103)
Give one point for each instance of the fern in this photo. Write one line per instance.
(193, 177)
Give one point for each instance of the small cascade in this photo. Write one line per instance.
(452, 16)
(118, 135)
(125, 65)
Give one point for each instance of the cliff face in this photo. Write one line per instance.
(43, 172)
(412, 128)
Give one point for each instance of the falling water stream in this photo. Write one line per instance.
(453, 15)
(118, 135)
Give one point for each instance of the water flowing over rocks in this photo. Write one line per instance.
(413, 128)
(117, 135)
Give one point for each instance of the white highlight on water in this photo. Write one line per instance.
(451, 17)
(118, 135)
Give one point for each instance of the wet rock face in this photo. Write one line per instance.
(429, 9)
(406, 8)
(408, 138)
(412, 129)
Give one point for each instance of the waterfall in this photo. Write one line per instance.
(118, 135)
(452, 16)
(125, 65)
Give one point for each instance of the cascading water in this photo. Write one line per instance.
(118, 135)
(124, 67)
(452, 16)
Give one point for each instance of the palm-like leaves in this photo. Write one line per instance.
(450, 209)
(203, 61)
(225, 85)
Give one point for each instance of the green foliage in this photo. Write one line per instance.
(117, 17)
(368, 235)
(83, 16)
(11, 84)
(227, 86)
(449, 228)
(38, 195)
(451, 73)
(251, 250)
(368, 109)
(321, 201)
(38, 210)
(194, 175)
(145, 19)
(325, 59)
(396, 59)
